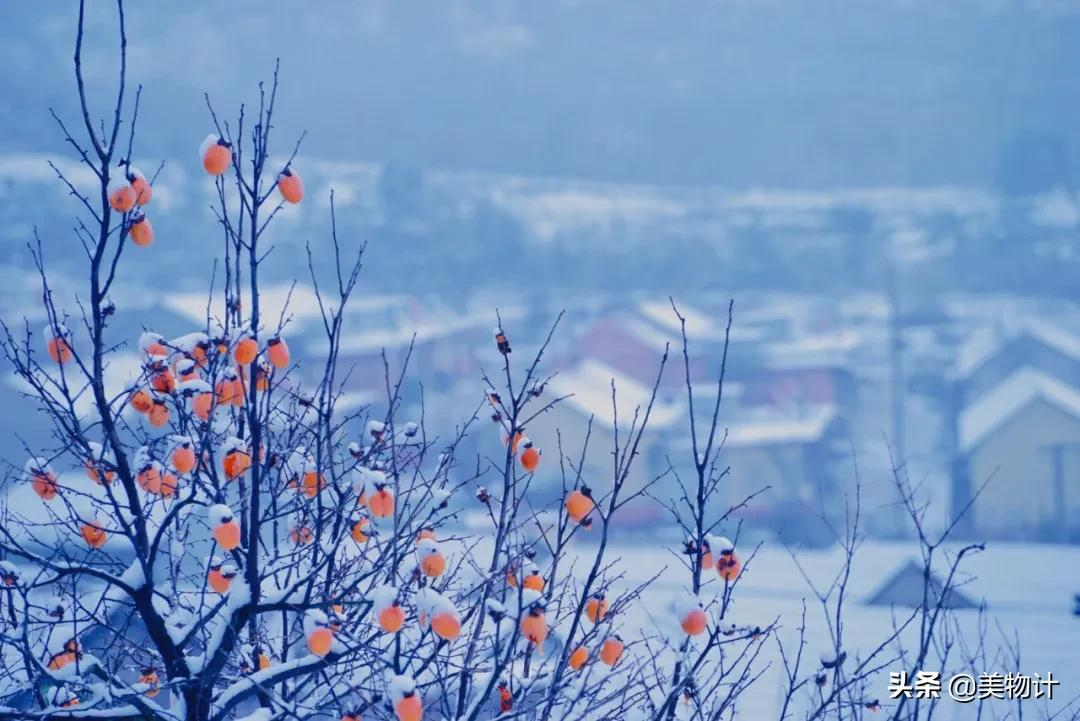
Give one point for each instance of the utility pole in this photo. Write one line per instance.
(896, 368)
(897, 386)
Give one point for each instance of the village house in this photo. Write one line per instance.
(1015, 426)
(1022, 439)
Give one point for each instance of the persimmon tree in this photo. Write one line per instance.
(241, 546)
(216, 539)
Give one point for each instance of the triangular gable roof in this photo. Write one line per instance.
(1005, 400)
(590, 383)
(699, 325)
(905, 589)
(983, 346)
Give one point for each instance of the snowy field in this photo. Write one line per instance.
(1028, 590)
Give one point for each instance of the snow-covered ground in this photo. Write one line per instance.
(1028, 590)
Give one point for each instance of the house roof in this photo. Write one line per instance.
(767, 429)
(906, 586)
(302, 304)
(807, 427)
(984, 345)
(699, 325)
(433, 326)
(1004, 401)
(654, 337)
(814, 350)
(590, 383)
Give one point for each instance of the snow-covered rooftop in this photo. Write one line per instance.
(426, 328)
(829, 348)
(699, 325)
(1004, 401)
(807, 427)
(297, 301)
(590, 383)
(650, 335)
(986, 343)
(302, 305)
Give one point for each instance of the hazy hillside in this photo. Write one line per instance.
(732, 93)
